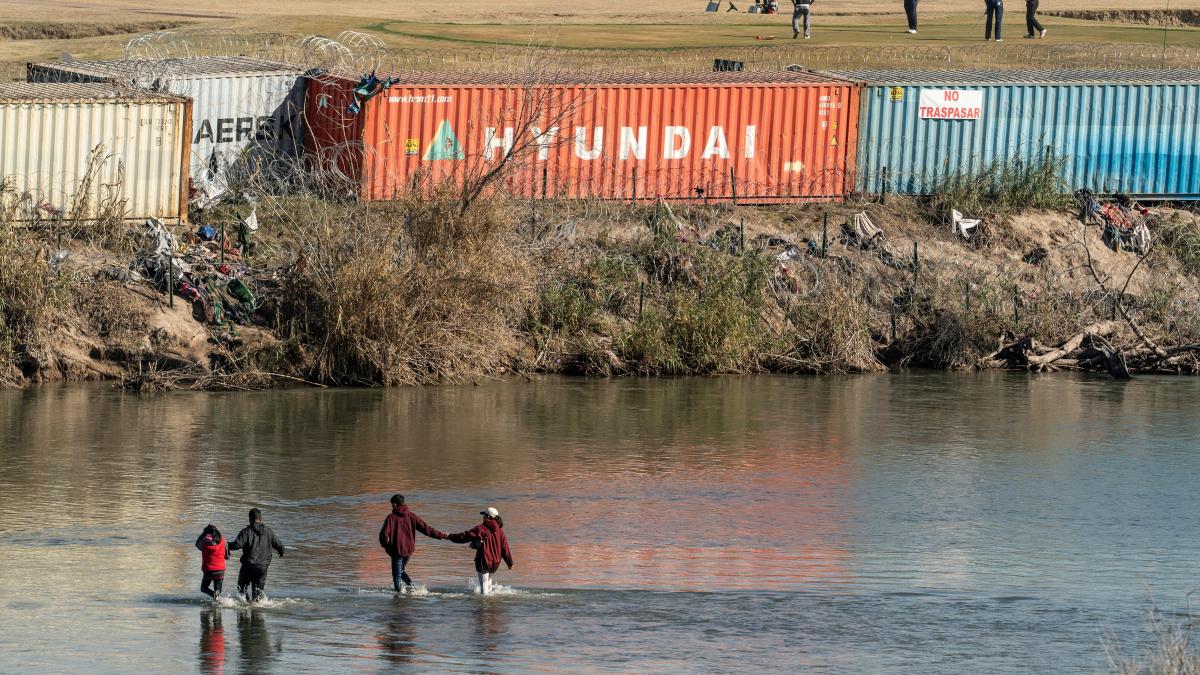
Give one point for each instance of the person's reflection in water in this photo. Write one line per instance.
(491, 624)
(398, 638)
(212, 642)
(254, 640)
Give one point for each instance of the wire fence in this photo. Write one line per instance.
(355, 53)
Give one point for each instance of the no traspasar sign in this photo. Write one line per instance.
(951, 104)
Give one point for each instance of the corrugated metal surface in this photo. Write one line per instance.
(786, 141)
(248, 113)
(48, 144)
(1138, 134)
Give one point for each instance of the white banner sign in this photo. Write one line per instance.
(951, 104)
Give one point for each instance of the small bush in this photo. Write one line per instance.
(708, 320)
(1004, 186)
(412, 292)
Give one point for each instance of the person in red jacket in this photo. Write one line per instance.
(490, 544)
(398, 537)
(214, 551)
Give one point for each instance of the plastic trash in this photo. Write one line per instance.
(961, 225)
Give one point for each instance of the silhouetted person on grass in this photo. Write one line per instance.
(910, 10)
(398, 537)
(1033, 27)
(256, 542)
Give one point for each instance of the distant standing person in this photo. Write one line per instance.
(910, 10)
(256, 542)
(214, 551)
(802, 8)
(995, 12)
(1033, 27)
(398, 537)
(491, 547)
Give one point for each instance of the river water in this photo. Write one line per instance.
(925, 523)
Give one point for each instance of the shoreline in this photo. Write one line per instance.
(386, 294)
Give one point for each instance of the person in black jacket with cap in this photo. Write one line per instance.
(256, 542)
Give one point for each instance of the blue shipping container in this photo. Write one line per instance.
(1136, 132)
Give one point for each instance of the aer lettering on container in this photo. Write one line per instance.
(951, 104)
(589, 143)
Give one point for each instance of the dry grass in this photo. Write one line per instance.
(46, 30)
(31, 292)
(1173, 648)
(405, 293)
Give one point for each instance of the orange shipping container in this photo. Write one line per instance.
(759, 137)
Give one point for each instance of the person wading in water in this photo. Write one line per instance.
(213, 554)
(256, 542)
(398, 537)
(491, 547)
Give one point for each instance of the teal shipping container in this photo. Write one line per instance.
(1133, 132)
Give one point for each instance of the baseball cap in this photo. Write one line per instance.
(489, 511)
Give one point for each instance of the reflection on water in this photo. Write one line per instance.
(212, 641)
(256, 647)
(744, 522)
(398, 635)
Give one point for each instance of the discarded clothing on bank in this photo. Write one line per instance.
(1124, 223)
(865, 233)
(369, 86)
(206, 190)
(220, 292)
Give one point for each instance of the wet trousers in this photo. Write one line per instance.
(217, 579)
(398, 574)
(485, 583)
(252, 581)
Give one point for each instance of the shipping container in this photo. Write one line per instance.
(93, 146)
(757, 137)
(1125, 131)
(247, 113)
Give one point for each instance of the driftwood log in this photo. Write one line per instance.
(1085, 349)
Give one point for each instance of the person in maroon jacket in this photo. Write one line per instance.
(490, 544)
(398, 538)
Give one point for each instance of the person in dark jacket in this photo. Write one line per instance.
(213, 554)
(491, 547)
(398, 537)
(256, 541)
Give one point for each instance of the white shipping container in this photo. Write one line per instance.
(247, 113)
(93, 146)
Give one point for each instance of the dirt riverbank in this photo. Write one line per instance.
(392, 294)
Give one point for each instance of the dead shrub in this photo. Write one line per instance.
(409, 292)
